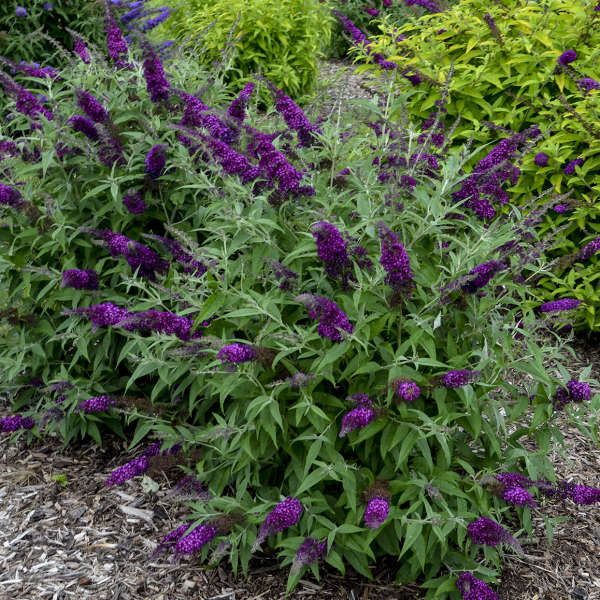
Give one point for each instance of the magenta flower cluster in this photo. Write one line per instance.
(134, 203)
(576, 391)
(408, 390)
(357, 418)
(236, 353)
(157, 84)
(376, 512)
(284, 515)
(590, 249)
(331, 318)
(156, 160)
(14, 423)
(459, 378)
(485, 532)
(309, 552)
(80, 279)
(482, 275)
(91, 107)
(394, 258)
(560, 305)
(98, 404)
(9, 196)
(137, 255)
(138, 466)
(237, 109)
(84, 125)
(472, 588)
(580, 494)
(294, 118)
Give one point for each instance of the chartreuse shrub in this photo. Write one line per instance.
(281, 39)
(516, 65)
(303, 314)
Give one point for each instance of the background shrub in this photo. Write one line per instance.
(17, 39)
(280, 39)
(506, 76)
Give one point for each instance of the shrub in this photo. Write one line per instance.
(18, 41)
(315, 328)
(366, 16)
(516, 66)
(281, 39)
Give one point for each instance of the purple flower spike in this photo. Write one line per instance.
(587, 84)
(484, 273)
(360, 399)
(14, 423)
(428, 5)
(85, 126)
(128, 471)
(170, 539)
(359, 38)
(394, 258)
(474, 589)
(282, 274)
(9, 196)
(309, 552)
(356, 419)
(102, 315)
(284, 515)
(567, 57)
(408, 391)
(20, 11)
(156, 83)
(98, 404)
(332, 250)
(295, 119)
(579, 391)
(560, 305)
(236, 353)
(195, 540)
(514, 480)
(583, 495)
(136, 254)
(570, 168)
(156, 160)
(80, 280)
(519, 497)
(541, 159)
(485, 532)
(377, 512)
(237, 109)
(117, 47)
(91, 107)
(590, 249)
(81, 50)
(134, 203)
(331, 318)
(459, 378)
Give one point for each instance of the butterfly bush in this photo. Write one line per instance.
(273, 239)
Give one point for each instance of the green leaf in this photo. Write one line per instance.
(413, 531)
(315, 477)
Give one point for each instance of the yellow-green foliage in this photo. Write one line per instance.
(280, 38)
(507, 74)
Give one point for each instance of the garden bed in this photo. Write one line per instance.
(84, 540)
